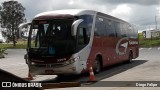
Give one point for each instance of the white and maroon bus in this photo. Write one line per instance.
(70, 41)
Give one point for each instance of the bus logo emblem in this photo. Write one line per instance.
(125, 45)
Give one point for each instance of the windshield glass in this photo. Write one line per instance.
(52, 36)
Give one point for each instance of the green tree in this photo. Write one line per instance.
(12, 14)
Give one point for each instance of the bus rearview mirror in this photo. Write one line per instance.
(21, 26)
(75, 26)
(24, 25)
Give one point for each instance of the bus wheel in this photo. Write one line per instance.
(130, 58)
(97, 65)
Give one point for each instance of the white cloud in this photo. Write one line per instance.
(158, 10)
(141, 12)
(71, 2)
(122, 11)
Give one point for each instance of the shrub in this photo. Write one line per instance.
(2, 53)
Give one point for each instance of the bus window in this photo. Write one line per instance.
(84, 31)
(100, 27)
(110, 28)
(123, 32)
(117, 29)
(88, 20)
(82, 38)
(104, 27)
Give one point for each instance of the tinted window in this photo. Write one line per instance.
(117, 29)
(104, 27)
(100, 29)
(123, 33)
(133, 32)
(87, 23)
(107, 27)
(84, 31)
(110, 27)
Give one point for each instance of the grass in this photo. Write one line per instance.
(19, 45)
(155, 42)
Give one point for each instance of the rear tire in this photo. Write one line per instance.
(97, 65)
(130, 58)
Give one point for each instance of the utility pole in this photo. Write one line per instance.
(155, 22)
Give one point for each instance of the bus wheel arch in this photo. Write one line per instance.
(98, 63)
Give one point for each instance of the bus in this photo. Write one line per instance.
(71, 41)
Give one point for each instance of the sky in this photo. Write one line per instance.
(140, 13)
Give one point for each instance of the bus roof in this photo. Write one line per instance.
(67, 11)
(76, 12)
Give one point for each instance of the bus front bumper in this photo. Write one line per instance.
(51, 69)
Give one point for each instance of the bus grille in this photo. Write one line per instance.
(49, 65)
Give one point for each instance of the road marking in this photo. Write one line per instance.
(141, 48)
(158, 48)
(10, 65)
(149, 48)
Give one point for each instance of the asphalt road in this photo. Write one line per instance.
(145, 68)
(14, 62)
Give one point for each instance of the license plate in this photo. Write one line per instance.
(49, 71)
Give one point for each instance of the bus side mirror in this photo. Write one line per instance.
(24, 25)
(21, 26)
(75, 26)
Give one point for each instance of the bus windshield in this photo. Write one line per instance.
(52, 37)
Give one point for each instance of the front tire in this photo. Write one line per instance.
(97, 65)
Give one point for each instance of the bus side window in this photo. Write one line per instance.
(86, 40)
(110, 28)
(82, 36)
(117, 29)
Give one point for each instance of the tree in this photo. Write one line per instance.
(12, 14)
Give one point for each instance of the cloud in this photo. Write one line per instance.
(122, 11)
(139, 2)
(139, 12)
(143, 15)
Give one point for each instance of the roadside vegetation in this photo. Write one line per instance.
(21, 44)
(11, 16)
(2, 53)
(154, 42)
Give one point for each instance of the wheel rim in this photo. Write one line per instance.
(97, 66)
(130, 58)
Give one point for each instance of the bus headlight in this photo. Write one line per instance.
(33, 63)
(71, 60)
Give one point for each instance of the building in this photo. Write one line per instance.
(151, 34)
